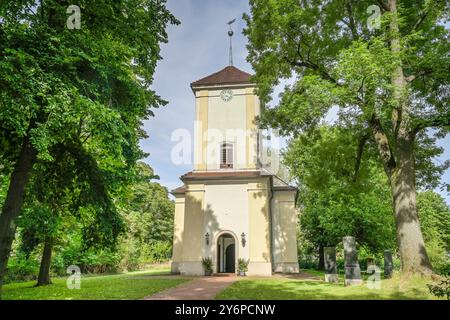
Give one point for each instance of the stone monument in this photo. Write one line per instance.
(331, 274)
(388, 263)
(352, 269)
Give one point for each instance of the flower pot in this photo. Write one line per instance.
(241, 273)
(208, 273)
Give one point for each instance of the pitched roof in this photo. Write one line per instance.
(228, 75)
(179, 190)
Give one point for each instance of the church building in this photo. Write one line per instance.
(230, 207)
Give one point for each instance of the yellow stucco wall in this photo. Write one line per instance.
(201, 128)
(192, 235)
(284, 227)
(259, 223)
(231, 121)
(233, 206)
(177, 255)
(251, 128)
(207, 208)
(227, 122)
(223, 215)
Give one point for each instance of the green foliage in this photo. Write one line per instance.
(135, 256)
(207, 264)
(99, 261)
(332, 42)
(146, 210)
(308, 252)
(148, 214)
(80, 97)
(388, 86)
(68, 250)
(434, 216)
(441, 289)
(21, 267)
(243, 265)
(333, 202)
(90, 83)
(36, 223)
(350, 67)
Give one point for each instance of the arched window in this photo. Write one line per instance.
(226, 155)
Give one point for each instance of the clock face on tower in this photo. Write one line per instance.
(226, 95)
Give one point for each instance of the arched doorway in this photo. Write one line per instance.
(226, 254)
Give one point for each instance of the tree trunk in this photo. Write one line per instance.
(321, 265)
(14, 201)
(400, 165)
(44, 270)
(413, 254)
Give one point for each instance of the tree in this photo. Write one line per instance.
(333, 203)
(57, 192)
(434, 216)
(389, 84)
(148, 214)
(39, 224)
(86, 90)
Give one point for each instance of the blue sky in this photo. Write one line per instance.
(197, 48)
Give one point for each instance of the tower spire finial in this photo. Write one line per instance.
(230, 34)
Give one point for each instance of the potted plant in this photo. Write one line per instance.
(242, 267)
(207, 266)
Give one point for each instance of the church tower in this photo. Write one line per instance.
(226, 136)
(229, 207)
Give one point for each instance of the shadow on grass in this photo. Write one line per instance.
(94, 288)
(312, 290)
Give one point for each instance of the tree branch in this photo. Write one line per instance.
(314, 66)
(359, 153)
(351, 21)
(422, 73)
(384, 148)
(306, 62)
(383, 5)
(418, 22)
(440, 121)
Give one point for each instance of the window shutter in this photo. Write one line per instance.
(230, 154)
(226, 155)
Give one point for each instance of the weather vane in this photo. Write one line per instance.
(230, 34)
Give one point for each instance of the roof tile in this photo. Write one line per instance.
(228, 75)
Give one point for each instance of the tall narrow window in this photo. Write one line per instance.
(226, 155)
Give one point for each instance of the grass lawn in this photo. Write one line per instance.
(299, 289)
(126, 286)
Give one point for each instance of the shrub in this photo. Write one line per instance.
(66, 254)
(207, 264)
(438, 256)
(307, 264)
(441, 289)
(101, 261)
(243, 265)
(135, 255)
(159, 251)
(21, 268)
